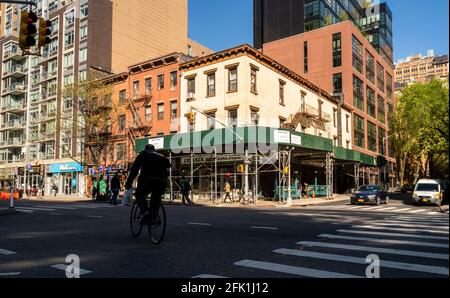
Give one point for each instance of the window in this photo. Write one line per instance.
(173, 110)
(173, 80)
(232, 118)
(382, 141)
(370, 68)
(70, 18)
(191, 85)
(83, 32)
(232, 80)
(84, 10)
(82, 75)
(371, 102)
(69, 38)
(388, 85)
(253, 76)
(67, 103)
(211, 85)
(254, 117)
(122, 120)
(68, 60)
(358, 93)
(148, 114)
(282, 122)
(381, 110)
(357, 59)
(372, 136)
(121, 151)
(160, 81)
(68, 80)
(83, 54)
(281, 92)
(337, 83)
(122, 96)
(305, 57)
(135, 88)
(380, 77)
(211, 120)
(148, 85)
(337, 50)
(161, 111)
(359, 132)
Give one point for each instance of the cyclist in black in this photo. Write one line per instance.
(152, 179)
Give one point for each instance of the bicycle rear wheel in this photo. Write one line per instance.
(135, 218)
(158, 231)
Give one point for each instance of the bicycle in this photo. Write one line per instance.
(156, 232)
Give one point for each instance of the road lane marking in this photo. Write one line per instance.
(373, 208)
(64, 267)
(376, 249)
(94, 216)
(355, 260)
(431, 213)
(264, 228)
(57, 207)
(56, 214)
(392, 234)
(6, 252)
(10, 274)
(198, 224)
(208, 276)
(36, 209)
(407, 225)
(307, 272)
(356, 207)
(25, 210)
(428, 219)
(390, 241)
(401, 229)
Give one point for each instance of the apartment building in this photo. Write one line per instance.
(38, 127)
(420, 68)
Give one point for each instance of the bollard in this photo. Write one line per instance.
(11, 197)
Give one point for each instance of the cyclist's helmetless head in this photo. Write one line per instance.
(150, 148)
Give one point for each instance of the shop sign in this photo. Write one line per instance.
(296, 140)
(66, 167)
(210, 158)
(281, 136)
(158, 143)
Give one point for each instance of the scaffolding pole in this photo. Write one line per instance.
(172, 199)
(192, 175)
(246, 178)
(256, 179)
(289, 199)
(329, 171)
(215, 173)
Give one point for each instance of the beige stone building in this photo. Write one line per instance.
(421, 69)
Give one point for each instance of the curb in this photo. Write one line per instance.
(8, 211)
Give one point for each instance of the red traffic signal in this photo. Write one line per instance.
(28, 29)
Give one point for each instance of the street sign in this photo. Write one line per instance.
(29, 167)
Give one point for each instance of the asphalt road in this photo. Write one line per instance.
(330, 240)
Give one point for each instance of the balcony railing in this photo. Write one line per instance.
(15, 69)
(17, 87)
(14, 105)
(13, 142)
(12, 52)
(13, 124)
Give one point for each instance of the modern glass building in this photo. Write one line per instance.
(277, 19)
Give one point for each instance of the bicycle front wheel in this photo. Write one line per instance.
(157, 231)
(135, 221)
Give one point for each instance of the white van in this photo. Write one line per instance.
(428, 191)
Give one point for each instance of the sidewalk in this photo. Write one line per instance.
(57, 199)
(275, 204)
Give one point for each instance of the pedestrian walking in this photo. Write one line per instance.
(115, 189)
(102, 188)
(227, 192)
(185, 189)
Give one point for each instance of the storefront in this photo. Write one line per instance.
(68, 178)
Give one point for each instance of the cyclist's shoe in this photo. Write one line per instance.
(146, 219)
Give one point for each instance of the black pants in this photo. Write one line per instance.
(185, 197)
(227, 196)
(154, 186)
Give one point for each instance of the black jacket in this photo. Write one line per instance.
(115, 183)
(152, 166)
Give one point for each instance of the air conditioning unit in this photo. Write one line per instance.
(190, 96)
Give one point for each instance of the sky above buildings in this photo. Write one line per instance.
(418, 25)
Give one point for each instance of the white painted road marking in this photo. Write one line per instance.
(293, 270)
(398, 210)
(208, 276)
(264, 228)
(401, 229)
(355, 260)
(37, 209)
(409, 225)
(10, 274)
(94, 216)
(25, 210)
(56, 207)
(376, 249)
(6, 252)
(417, 211)
(198, 224)
(393, 234)
(406, 242)
(64, 267)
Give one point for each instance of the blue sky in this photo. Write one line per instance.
(418, 25)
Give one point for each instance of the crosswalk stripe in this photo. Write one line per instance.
(307, 272)
(417, 211)
(6, 252)
(57, 207)
(37, 209)
(392, 234)
(10, 274)
(389, 208)
(428, 219)
(208, 276)
(64, 267)
(431, 213)
(399, 210)
(390, 241)
(376, 249)
(400, 229)
(413, 225)
(25, 210)
(373, 208)
(356, 207)
(355, 260)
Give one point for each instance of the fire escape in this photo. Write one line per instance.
(140, 128)
(308, 117)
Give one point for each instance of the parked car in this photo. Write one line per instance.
(370, 194)
(408, 188)
(429, 191)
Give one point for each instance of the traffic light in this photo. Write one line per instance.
(27, 29)
(191, 118)
(44, 32)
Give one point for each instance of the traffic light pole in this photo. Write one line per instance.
(31, 3)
